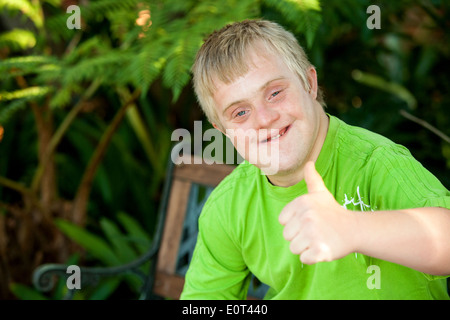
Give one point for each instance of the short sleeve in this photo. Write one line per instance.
(399, 182)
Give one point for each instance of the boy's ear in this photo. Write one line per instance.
(312, 78)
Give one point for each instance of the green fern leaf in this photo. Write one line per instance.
(8, 111)
(31, 9)
(146, 65)
(17, 39)
(176, 73)
(303, 15)
(95, 245)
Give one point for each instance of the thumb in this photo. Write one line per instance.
(313, 179)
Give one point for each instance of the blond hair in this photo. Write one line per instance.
(224, 56)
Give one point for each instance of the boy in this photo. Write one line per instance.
(328, 204)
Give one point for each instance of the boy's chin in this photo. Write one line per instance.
(269, 168)
(278, 168)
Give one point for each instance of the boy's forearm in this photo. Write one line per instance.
(416, 238)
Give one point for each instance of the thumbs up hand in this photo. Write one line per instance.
(316, 226)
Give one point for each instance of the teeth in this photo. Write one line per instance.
(277, 136)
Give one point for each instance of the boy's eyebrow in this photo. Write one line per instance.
(264, 86)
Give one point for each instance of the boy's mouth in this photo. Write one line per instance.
(281, 133)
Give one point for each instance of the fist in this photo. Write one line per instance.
(316, 226)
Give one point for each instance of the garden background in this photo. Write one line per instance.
(86, 114)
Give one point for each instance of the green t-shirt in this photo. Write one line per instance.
(239, 230)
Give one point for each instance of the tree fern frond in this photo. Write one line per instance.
(117, 12)
(41, 66)
(102, 8)
(31, 9)
(212, 15)
(32, 92)
(350, 10)
(13, 102)
(25, 63)
(90, 68)
(123, 24)
(63, 96)
(186, 36)
(238, 10)
(303, 15)
(146, 66)
(8, 111)
(17, 39)
(57, 23)
(176, 73)
(49, 73)
(90, 47)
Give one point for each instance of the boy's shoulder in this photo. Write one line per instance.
(360, 142)
(240, 181)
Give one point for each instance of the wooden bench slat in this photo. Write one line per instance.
(173, 227)
(168, 285)
(201, 172)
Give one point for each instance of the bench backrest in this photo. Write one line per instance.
(191, 185)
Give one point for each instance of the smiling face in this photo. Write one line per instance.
(272, 121)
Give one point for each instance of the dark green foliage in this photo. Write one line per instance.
(374, 78)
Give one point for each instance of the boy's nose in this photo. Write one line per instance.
(266, 116)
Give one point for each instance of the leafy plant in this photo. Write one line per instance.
(117, 244)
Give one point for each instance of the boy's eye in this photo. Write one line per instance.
(240, 113)
(275, 94)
